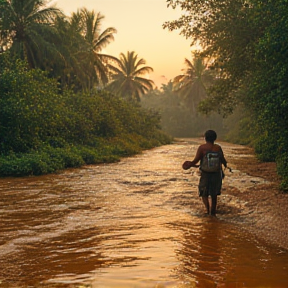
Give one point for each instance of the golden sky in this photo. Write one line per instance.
(139, 26)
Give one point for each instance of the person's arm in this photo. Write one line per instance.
(223, 160)
(197, 157)
(188, 164)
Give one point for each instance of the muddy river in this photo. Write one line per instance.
(136, 223)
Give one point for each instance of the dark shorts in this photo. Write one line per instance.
(210, 184)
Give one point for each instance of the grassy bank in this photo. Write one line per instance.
(45, 128)
(49, 159)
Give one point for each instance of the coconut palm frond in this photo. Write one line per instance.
(193, 83)
(126, 76)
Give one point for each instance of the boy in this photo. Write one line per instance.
(210, 182)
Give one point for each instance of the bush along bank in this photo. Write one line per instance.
(50, 159)
(44, 129)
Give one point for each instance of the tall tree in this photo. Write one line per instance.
(81, 44)
(27, 30)
(70, 43)
(95, 62)
(127, 76)
(192, 84)
(249, 44)
(227, 32)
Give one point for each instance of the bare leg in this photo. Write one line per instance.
(214, 205)
(206, 203)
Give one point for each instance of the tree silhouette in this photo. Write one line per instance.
(192, 84)
(27, 30)
(127, 80)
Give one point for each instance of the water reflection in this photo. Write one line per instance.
(137, 223)
(217, 255)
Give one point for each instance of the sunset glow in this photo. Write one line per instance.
(139, 26)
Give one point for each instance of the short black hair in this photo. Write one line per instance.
(210, 136)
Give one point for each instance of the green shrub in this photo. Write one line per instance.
(89, 155)
(282, 169)
(266, 148)
(28, 164)
(125, 146)
(43, 129)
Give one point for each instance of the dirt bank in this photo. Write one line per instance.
(251, 196)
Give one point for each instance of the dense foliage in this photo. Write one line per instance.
(55, 108)
(27, 30)
(248, 42)
(44, 128)
(178, 117)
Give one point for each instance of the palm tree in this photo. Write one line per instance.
(192, 85)
(27, 30)
(127, 80)
(70, 43)
(81, 44)
(95, 63)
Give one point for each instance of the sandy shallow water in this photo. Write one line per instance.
(140, 223)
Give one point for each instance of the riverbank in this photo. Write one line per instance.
(252, 198)
(48, 159)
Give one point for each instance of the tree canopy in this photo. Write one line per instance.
(55, 108)
(69, 48)
(128, 76)
(193, 83)
(27, 30)
(247, 41)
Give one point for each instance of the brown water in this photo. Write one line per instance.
(136, 223)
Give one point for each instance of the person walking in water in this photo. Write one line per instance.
(211, 159)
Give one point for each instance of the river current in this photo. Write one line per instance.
(136, 223)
